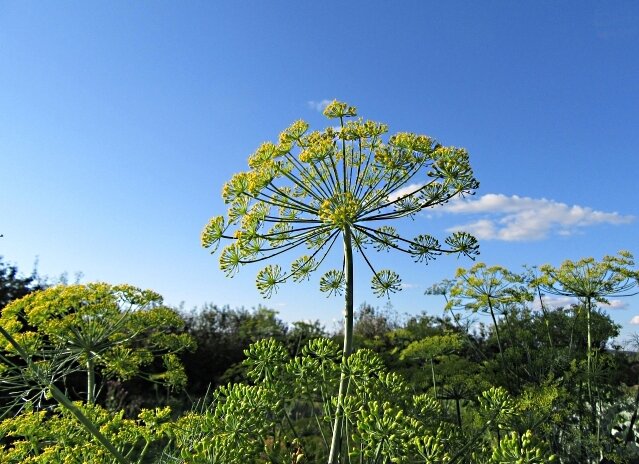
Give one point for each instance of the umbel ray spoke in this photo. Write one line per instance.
(285, 247)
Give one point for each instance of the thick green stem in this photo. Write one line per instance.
(348, 346)
(591, 399)
(432, 371)
(543, 310)
(588, 347)
(62, 399)
(84, 420)
(501, 351)
(90, 380)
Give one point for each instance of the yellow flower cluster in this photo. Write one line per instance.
(235, 187)
(451, 162)
(359, 129)
(212, 231)
(319, 149)
(259, 179)
(263, 155)
(340, 210)
(410, 141)
(252, 220)
(336, 109)
(294, 132)
(391, 157)
(267, 153)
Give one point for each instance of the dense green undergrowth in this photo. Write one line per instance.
(422, 389)
(101, 373)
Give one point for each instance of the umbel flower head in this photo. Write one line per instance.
(310, 187)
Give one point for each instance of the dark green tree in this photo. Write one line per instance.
(14, 285)
(221, 335)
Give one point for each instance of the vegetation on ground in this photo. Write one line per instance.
(100, 373)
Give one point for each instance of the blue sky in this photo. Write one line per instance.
(120, 122)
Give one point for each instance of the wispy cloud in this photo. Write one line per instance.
(615, 304)
(318, 105)
(554, 302)
(408, 286)
(635, 320)
(402, 192)
(515, 218)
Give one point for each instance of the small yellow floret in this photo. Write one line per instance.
(341, 209)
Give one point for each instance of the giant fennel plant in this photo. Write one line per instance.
(348, 182)
(592, 282)
(116, 330)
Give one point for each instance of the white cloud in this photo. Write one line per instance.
(635, 320)
(515, 218)
(402, 192)
(615, 304)
(481, 229)
(318, 105)
(554, 302)
(409, 286)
